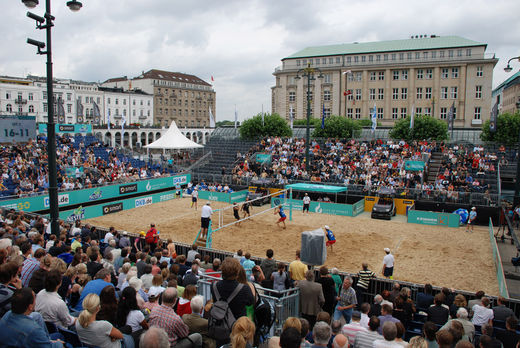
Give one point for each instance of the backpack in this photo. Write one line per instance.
(221, 319)
(264, 316)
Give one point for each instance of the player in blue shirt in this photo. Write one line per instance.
(471, 220)
(283, 217)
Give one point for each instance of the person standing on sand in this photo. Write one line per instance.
(471, 220)
(245, 208)
(194, 198)
(388, 264)
(236, 214)
(306, 203)
(205, 218)
(283, 217)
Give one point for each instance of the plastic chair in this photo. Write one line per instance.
(51, 327)
(70, 337)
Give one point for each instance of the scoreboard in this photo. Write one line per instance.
(17, 129)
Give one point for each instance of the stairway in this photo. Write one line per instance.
(434, 166)
(201, 242)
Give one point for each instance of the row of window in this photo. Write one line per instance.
(173, 112)
(396, 93)
(385, 57)
(181, 122)
(173, 93)
(109, 101)
(173, 102)
(403, 112)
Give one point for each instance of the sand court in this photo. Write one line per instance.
(424, 254)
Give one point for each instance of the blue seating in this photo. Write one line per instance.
(70, 337)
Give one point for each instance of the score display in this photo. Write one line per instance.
(17, 129)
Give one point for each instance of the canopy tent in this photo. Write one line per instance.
(316, 188)
(173, 139)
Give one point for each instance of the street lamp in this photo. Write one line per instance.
(308, 72)
(46, 22)
(508, 68)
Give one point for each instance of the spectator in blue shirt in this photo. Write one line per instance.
(103, 279)
(248, 265)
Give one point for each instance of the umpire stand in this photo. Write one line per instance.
(204, 241)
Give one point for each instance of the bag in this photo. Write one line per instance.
(264, 315)
(221, 319)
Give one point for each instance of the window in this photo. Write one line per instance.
(434, 54)
(401, 56)
(350, 94)
(292, 96)
(8, 95)
(428, 111)
(417, 55)
(311, 61)
(444, 92)
(394, 113)
(395, 93)
(441, 54)
(44, 95)
(117, 112)
(454, 73)
(420, 73)
(385, 57)
(370, 59)
(133, 112)
(450, 53)
(480, 71)
(395, 75)
(317, 61)
(359, 76)
(31, 108)
(380, 113)
(372, 76)
(298, 62)
(476, 115)
(350, 77)
(445, 73)
(381, 76)
(117, 101)
(454, 113)
(429, 74)
(326, 95)
(404, 93)
(331, 60)
(326, 112)
(358, 113)
(9, 108)
(98, 100)
(69, 96)
(124, 101)
(394, 56)
(326, 78)
(45, 107)
(454, 92)
(478, 92)
(356, 59)
(409, 56)
(459, 53)
(338, 60)
(108, 100)
(165, 111)
(304, 62)
(381, 94)
(425, 55)
(69, 108)
(418, 111)
(419, 93)
(428, 93)
(358, 94)
(404, 74)
(468, 52)
(444, 113)
(372, 94)
(403, 112)
(324, 61)
(349, 112)
(378, 58)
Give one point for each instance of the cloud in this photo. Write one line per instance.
(238, 42)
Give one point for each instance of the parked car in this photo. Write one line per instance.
(385, 206)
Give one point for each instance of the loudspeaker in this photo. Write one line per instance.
(313, 250)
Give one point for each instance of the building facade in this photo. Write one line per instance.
(507, 95)
(427, 74)
(183, 98)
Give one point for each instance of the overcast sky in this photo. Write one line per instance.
(238, 42)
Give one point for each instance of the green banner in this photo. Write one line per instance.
(93, 211)
(318, 207)
(263, 158)
(416, 166)
(502, 285)
(358, 207)
(239, 196)
(67, 128)
(71, 171)
(433, 218)
(37, 203)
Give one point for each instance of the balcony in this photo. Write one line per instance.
(20, 101)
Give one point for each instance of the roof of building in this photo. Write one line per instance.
(425, 43)
(507, 81)
(116, 79)
(172, 76)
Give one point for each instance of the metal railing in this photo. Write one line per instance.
(501, 279)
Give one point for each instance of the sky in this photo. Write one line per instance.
(239, 43)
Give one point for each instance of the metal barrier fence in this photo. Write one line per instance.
(502, 286)
(284, 303)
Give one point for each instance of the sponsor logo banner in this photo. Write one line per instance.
(62, 200)
(124, 189)
(141, 202)
(112, 208)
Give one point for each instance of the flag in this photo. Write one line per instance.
(323, 117)
(291, 116)
(262, 115)
(374, 118)
(450, 117)
(123, 121)
(61, 109)
(212, 79)
(493, 118)
(211, 119)
(79, 108)
(412, 116)
(236, 117)
(96, 112)
(108, 122)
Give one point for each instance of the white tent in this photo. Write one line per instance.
(173, 139)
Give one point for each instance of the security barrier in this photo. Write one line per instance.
(502, 286)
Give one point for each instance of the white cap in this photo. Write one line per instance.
(473, 208)
(387, 250)
(327, 227)
(209, 203)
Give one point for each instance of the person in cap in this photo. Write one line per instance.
(194, 198)
(279, 210)
(306, 203)
(388, 264)
(139, 241)
(124, 241)
(205, 218)
(330, 237)
(471, 220)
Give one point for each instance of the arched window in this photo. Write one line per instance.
(9, 108)
(31, 108)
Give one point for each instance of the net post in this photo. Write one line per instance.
(290, 203)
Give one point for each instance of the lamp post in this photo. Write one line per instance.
(46, 22)
(347, 92)
(516, 198)
(308, 72)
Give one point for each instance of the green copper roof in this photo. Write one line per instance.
(503, 84)
(427, 43)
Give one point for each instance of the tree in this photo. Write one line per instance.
(224, 123)
(508, 126)
(424, 127)
(337, 127)
(273, 125)
(365, 122)
(314, 122)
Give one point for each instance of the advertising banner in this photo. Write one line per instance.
(263, 158)
(358, 207)
(415, 166)
(37, 203)
(433, 218)
(319, 207)
(93, 211)
(67, 128)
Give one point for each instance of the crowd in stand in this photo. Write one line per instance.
(105, 290)
(24, 170)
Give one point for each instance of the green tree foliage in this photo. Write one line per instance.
(425, 127)
(337, 127)
(224, 123)
(314, 122)
(508, 126)
(366, 122)
(274, 125)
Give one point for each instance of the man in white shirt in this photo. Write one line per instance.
(50, 305)
(306, 203)
(482, 314)
(205, 218)
(194, 198)
(388, 264)
(389, 335)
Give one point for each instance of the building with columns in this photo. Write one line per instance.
(425, 73)
(183, 98)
